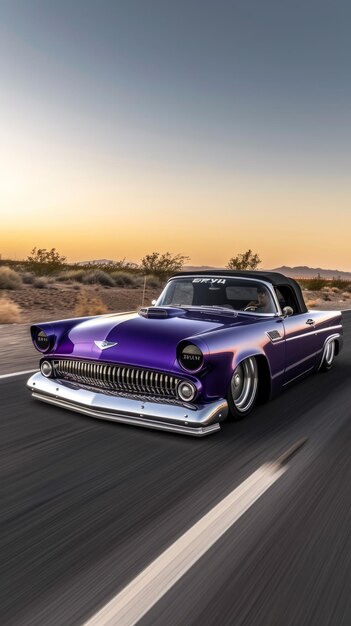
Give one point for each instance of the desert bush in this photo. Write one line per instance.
(76, 275)
(89, 305)
(153, 282)
(326, 296)
(40, 282)
(335, 290)
(98, 277)
(245, 261)
(10, 313)
(311, 304)
(163, 264)
(125, 279)
(9, 279)
(28, 277)
(313, 284)
(340, 283)
(43, 261)
(346, 295)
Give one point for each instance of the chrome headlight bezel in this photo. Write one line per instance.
(190, 358)
(180, 390)
(47, 369)
(42, 341)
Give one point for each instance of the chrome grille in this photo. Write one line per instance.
(117, 377)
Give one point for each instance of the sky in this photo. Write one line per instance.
(198, 127)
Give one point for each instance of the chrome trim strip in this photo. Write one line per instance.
(327, 328)
(197, 420)
(307, 333)
(312, 331)
(299, 376)
(201, 431)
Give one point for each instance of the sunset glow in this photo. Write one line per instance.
(117, 145)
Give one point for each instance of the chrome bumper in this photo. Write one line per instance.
(193, 420)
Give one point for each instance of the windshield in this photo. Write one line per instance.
(231, 293)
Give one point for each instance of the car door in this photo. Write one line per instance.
(301, 345)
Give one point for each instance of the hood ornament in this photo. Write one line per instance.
(105, 344)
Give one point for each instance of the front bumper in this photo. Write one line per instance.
(196, 420)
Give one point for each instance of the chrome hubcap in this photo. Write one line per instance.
(244, 384)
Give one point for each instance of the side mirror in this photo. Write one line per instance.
(153, 302)
(287, 311)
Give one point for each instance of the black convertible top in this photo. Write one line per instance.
(276, 279)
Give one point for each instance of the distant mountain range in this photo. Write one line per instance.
(302, 271)
(299, 271)
(96, 262)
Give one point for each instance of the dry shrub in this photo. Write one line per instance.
(126, 279)
(346, 295)
(312, 284)
(88, 304)
(326, 297)
(312, 303)
(154, 282)
(28, 277)
(340, 283)
(335, 289)
(10, 313)
(98, 277)
(9, 279)
(326, 289)
(69, 275)
(40, 282)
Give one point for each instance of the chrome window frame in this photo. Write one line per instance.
(268, 285)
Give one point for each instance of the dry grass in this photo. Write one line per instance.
(71, 275)
(9, 279)
(346, 295)
(311, 304)
(89, 305)
(10, 313)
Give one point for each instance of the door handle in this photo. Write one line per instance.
(310, 322)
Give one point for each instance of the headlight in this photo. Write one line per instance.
(190, 358)
(42, 341)
(186, 391)
(46, 369)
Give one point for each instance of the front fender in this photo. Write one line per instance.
(217, 379)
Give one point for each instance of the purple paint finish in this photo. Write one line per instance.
(224, 340)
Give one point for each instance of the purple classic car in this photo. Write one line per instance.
(214, 344)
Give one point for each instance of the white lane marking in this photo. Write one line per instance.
(19, 373)
(140, 595)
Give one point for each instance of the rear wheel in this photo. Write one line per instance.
(329, 357)
(243, 388)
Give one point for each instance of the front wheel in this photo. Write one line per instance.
(243, 388)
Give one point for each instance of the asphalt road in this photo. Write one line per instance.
(86, 505)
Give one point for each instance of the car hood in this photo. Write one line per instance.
(142, 341)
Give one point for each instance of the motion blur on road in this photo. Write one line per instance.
(86, 505)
